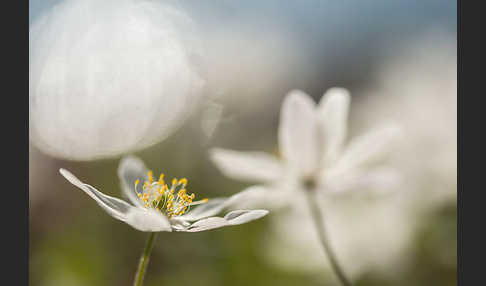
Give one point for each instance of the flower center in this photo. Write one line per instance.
(309, 183)
(157, 195)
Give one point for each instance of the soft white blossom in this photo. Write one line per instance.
(155, 206)
(425, 105)
(110, 77)
(416, 88)
(314, 154)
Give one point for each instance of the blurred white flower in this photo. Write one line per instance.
(416, 88)
(156, 207)
(311, 140)
(110, 77)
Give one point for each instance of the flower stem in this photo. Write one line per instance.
(144, 260)
(319, 224)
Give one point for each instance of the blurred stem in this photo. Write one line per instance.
(144, 260)
(319, 224)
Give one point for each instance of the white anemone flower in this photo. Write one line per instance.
(311, 143)
(157, 207)
(110, 77)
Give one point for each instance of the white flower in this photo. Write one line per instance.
(311, 141)
(425, 105)
(110, 77)
(314, 155)
(157, 207)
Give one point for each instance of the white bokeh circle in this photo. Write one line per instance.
(110, 77)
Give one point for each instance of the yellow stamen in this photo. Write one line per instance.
(159, 196)
(203, 201)
(183, 181)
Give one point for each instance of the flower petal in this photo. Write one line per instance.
(246, 166)
(130, 169)
(271, 197)
(113, 206)
(244, 216)
(333, 116)
(232, 218)
(251, 197)
(212, 207)
(147, 220)
(179, 224)
(367, 148)
(207, 224)
(377, 180)
(138, 218)
(298, 133)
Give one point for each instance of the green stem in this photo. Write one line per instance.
(144, 260)
(319, 224)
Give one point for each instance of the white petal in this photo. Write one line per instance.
(246, 166)
(147, 220)
(207, 224)
(179, 224)
(333, 116)
(377, 180)
(251, 197)
(212, 207)
(113, 206)
(244, 216)
(368, 147)
(130, 169)
(232, 218)
(269, 197)
(298, 133)
(138, 218)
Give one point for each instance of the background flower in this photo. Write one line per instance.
(315, 148)
(315, 153)
(418, 91)
(110, 77)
